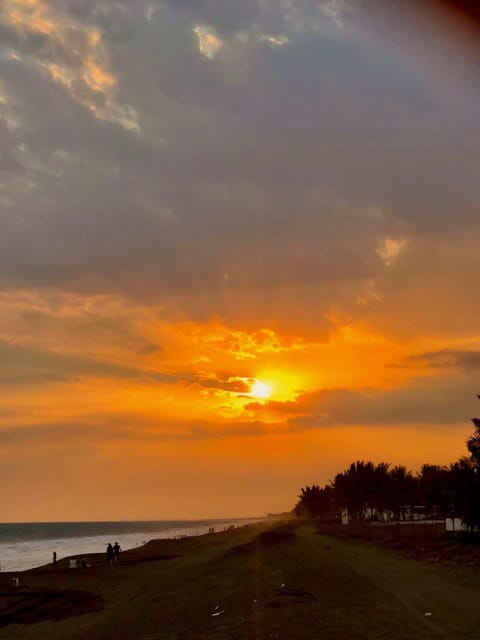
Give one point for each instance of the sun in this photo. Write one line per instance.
(260, 390)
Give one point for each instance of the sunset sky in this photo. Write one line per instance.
(239, 249)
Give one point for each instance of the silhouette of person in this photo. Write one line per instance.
(55, 560)
(116, 552)
(109, 553)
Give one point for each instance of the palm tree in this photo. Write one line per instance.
(315, 502)
(433, 489)
(380, 490)
(350, 489)
(462, 478)
(471, 490)
(362, 488)
(402, 491)
(473, 442)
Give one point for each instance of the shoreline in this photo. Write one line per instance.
(23, 550)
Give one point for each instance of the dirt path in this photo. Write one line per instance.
(451, 597)
(289, 585)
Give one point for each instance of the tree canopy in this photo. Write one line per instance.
(370, 490)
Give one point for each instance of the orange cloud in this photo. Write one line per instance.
(95, 77)
(30, 15)
(91, 76)
(243, 345)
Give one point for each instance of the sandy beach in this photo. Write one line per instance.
(256, 582)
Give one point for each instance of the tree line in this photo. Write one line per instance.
(366, 489)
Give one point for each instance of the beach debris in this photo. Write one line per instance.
(272, 604)
(217, 611)
(428, 614)
(301, 594)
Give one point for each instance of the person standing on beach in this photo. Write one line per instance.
(109, 553)
(55, 560)
(116, 552)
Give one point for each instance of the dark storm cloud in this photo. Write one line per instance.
(255, 170)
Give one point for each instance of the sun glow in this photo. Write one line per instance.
(260, 390)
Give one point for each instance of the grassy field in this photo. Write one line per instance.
(286, 582)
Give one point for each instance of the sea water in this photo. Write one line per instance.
(27, 545)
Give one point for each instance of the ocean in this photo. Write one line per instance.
(31, 544)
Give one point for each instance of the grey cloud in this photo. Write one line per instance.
(54, 434)
(293, 408)
(150, 349)
(37, 378)
(441, 403)
(223, 16)
(9, 161)
(106, 327)
(226, 382)
(40, 46)
(229, 188)
(271, 16)
(29, 365)
(123, 427)
(449, 359)
(23, 365)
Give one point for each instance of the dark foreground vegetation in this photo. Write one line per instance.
(422, 541)
(381, 492)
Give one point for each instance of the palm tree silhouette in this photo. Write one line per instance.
(473, 442)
